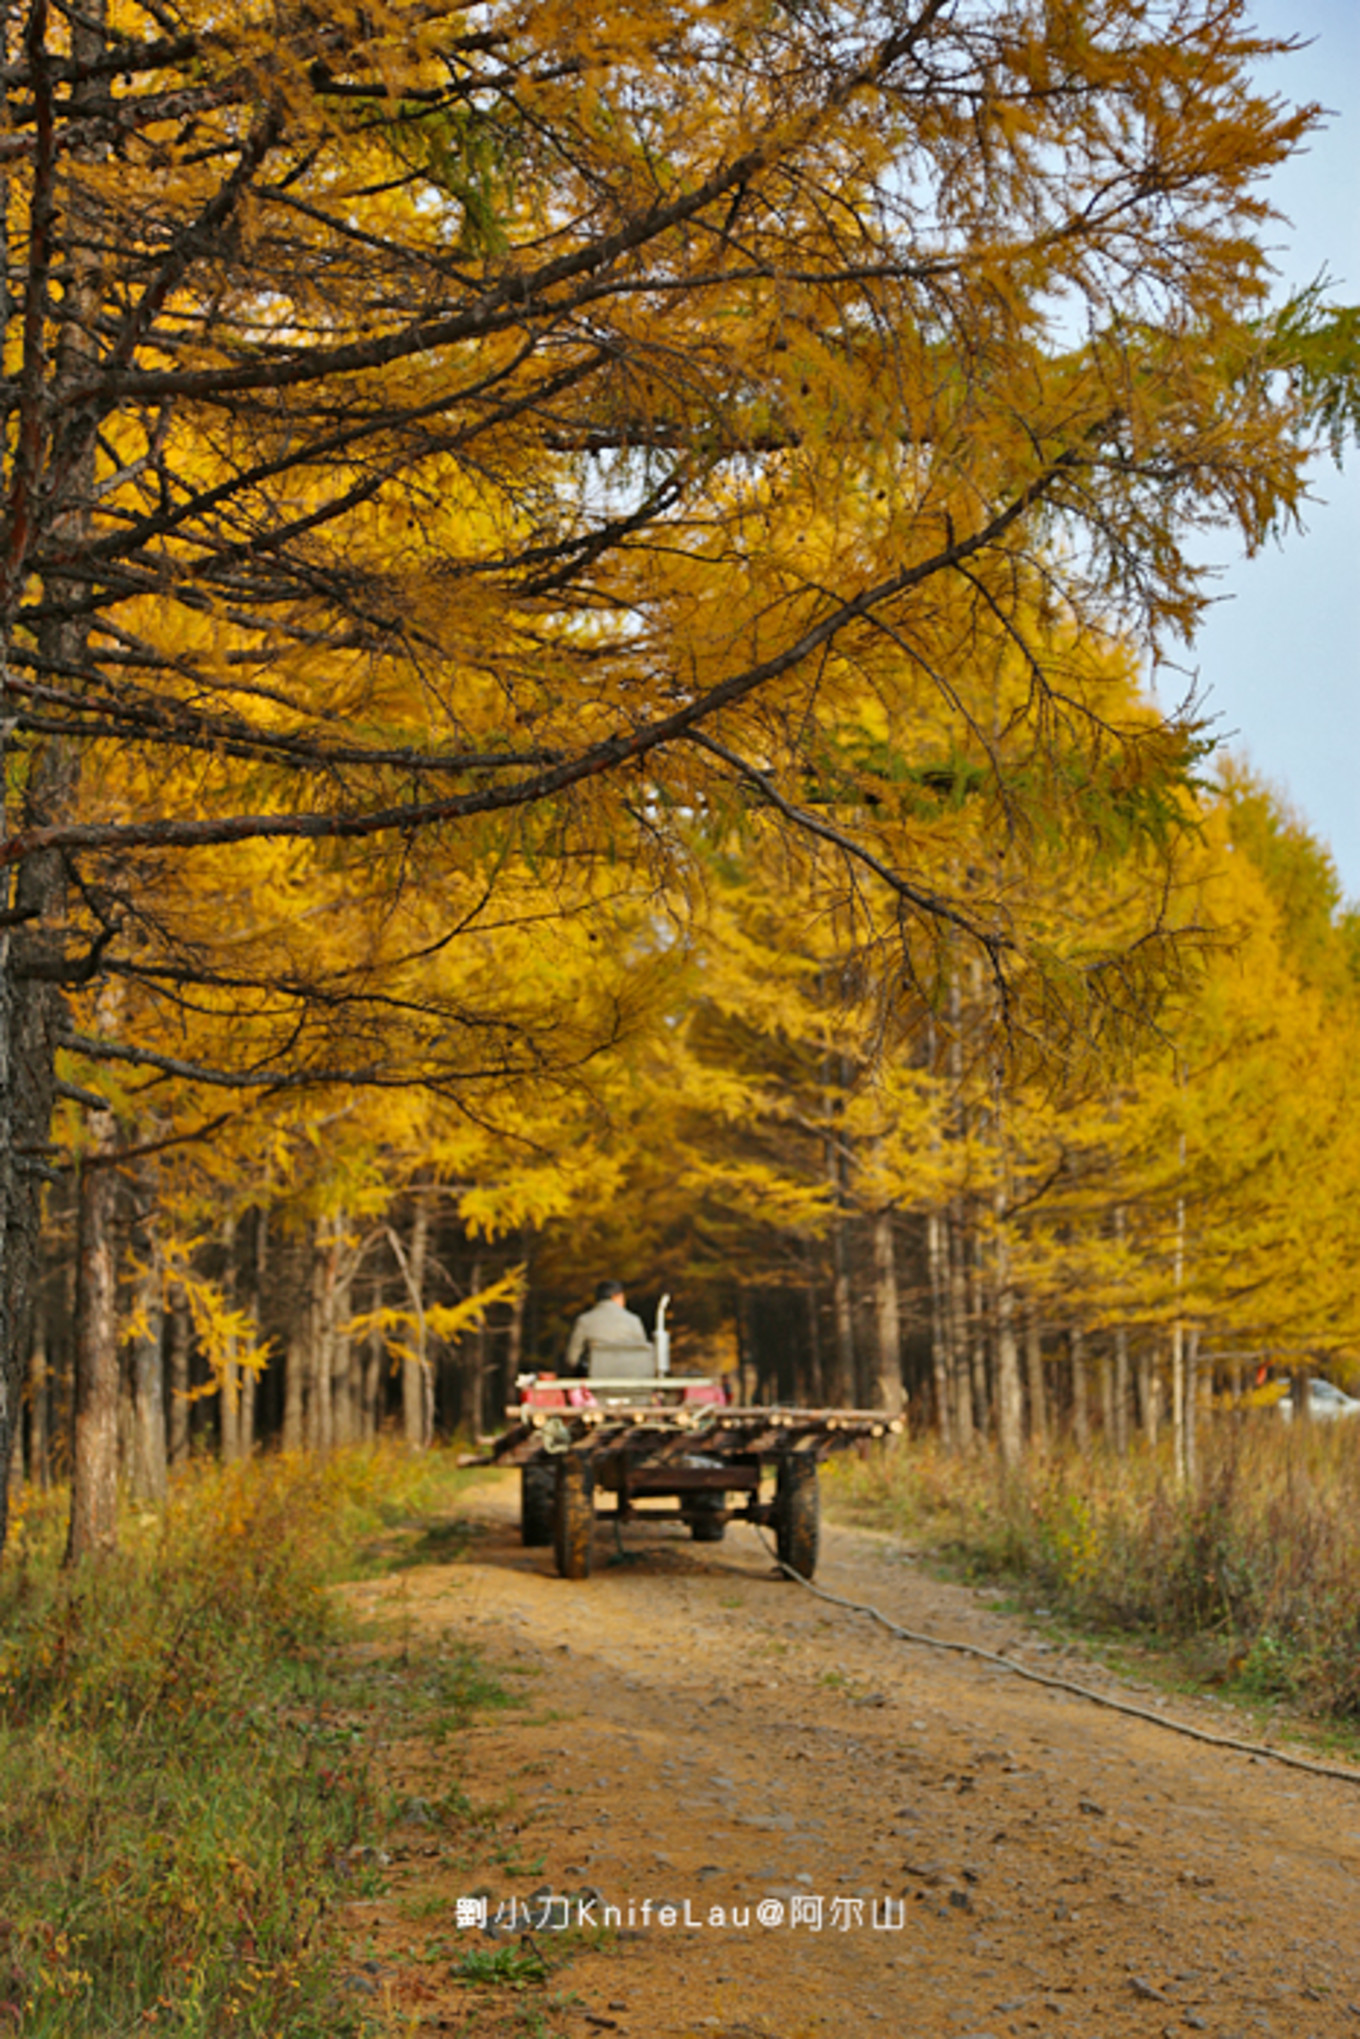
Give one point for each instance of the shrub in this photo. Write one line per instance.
(1258, 1564)
(183, 1769)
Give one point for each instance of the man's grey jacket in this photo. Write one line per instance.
(616, 1342)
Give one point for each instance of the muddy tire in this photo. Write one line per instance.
(797, 1514)
(537, 1502)
(706, 1513)
(574, 1516)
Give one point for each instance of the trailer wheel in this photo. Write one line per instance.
(706, 1517)
(797, 1513)
(537, 1501)
(574, 1525)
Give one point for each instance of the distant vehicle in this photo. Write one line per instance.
(1325, 1401)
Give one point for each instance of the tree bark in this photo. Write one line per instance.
(32, 1008)
(39, 1450)
(1178, 1401)
(841, 1387)
(1009, 1393)
(1105, 1388)
(1081, 1416)
(816, 1372)
(476, 1373)
(957, 1236)
(18, 1467)
(887, 1317)
(1192, 1409)
(345, 1363)
(250, 1376)
(229, 1385)
(146, 1365)
(1178, 1333)
(94, 1472)
(1121, 1356)
(977, 1342)
(840, 1364)
(1034, 1374)
(1121, 1390)
(941, 1367)
(1149, 1393)
(417, 1397)
(178, 1367)
(321, 1291)
(375, 1354)
(514, 1351)
(294, 1377)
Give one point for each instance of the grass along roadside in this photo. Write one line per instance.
(186, 1731)
(1247, 1587)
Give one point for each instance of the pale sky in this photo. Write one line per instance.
(1279, 663)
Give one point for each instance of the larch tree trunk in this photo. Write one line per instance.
(1010, 1394)
(817, 1373)
(375, 1359)
(417, 1397)
(1121, 1389)
(1121, 1355)
(1178, 1401)
(178, 1372)
(1178, 1335)
(957, 1235)
(1192, 1408)
(1010, 1398)
(940, 1355)
(298, 1351)
(32, 1007)
(229, 1384)
(888, 1393)
(18, 1467)
(125, 1417)
(321, 1398)
(295, 1377)
(250, 1376)
(841, 1387)
(1105, 1388)
(1149, 1393)
(1034, 1377)
(146, 1363)
(346, 1364)
(1081, 1414)
(94, 1470)
(39, 1391)
(476, 1371)
(514, 1350)
(977, 1342)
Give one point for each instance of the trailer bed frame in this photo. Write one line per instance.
(681, 1443)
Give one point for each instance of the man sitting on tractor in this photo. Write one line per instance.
(608, 1342)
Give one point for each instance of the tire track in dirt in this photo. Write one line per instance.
(698, 1729)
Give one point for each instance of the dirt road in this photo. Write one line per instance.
(989, 1858)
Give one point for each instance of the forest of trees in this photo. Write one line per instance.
(573, 595)
(854, 1190)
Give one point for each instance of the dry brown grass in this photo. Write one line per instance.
(1257, 1568)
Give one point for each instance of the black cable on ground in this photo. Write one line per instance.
(1344, 1774)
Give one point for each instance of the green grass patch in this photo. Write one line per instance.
(185, 1733)
(506, 1967)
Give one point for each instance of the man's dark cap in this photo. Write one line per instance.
(605, 1291)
